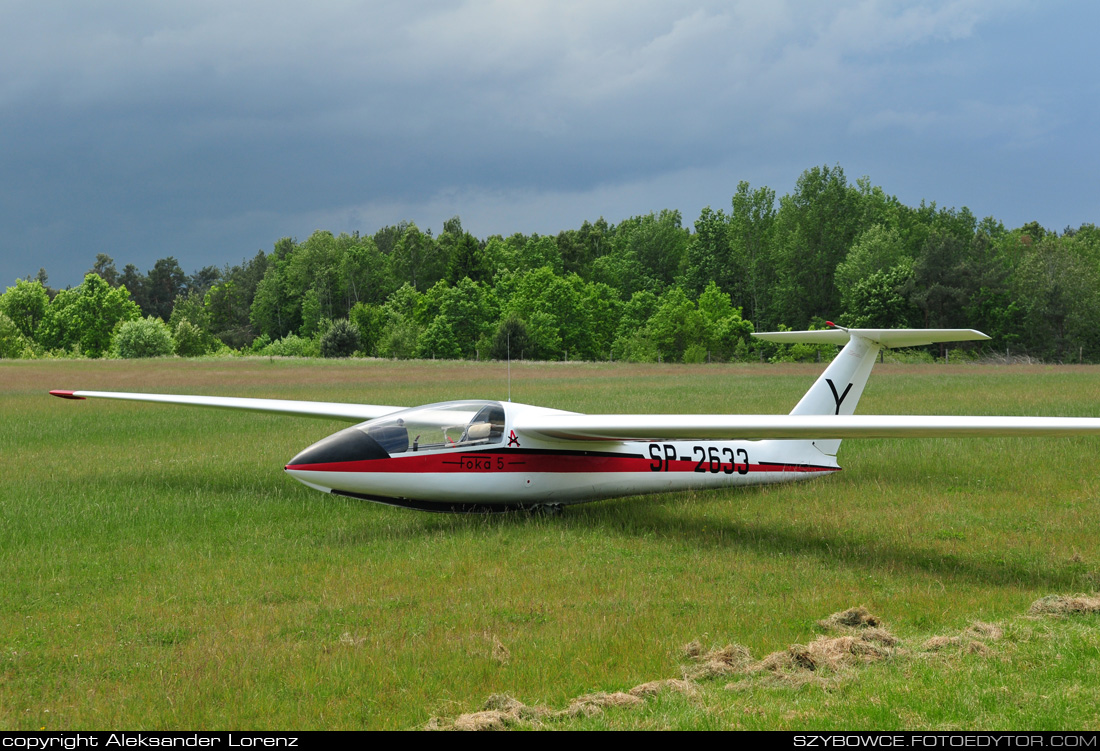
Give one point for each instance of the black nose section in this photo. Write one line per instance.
(349, 445)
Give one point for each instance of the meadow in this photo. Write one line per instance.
(158, 570)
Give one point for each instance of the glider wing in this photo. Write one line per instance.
(331, 410)
(754, 427)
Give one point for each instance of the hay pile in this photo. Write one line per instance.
(854, 638)
(830, 653)
(851, 618)
(857, 638)
(721, 661)
(973, 639)
(501, 712)
(1065, 604)
(674, 685)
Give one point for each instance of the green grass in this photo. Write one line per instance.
(158, 569)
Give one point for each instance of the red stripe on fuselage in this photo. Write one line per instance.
(505, 461)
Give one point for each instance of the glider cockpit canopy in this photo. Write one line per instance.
(438, 426)
(447, 425)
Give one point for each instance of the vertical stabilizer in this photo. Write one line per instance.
(837, 390)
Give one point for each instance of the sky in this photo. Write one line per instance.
(208, 130)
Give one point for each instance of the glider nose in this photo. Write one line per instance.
(340, 452)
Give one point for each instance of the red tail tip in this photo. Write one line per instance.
(830, 323)
(65, 394)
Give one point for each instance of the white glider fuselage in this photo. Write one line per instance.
(517, 468)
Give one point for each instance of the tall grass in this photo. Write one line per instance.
(160, 571)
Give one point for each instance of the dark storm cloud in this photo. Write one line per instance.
(208, 130)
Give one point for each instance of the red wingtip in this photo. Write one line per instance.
(65, 394)
(830, 323)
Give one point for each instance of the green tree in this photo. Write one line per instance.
(311, 313)
(190, 340)
(417, 260)
(874, 281)
(166, 282)
(142, 337)
(104, 266)
(470, 310)
(752, 233)
(602, 309)
(1058, 293)
(83, 318)
(938, 288)
(438, 341)
(878, 248)
(400, 331)
(190, 307)
(646, 253)
(510, 339)
(815, 226)
(369, 319)
(399, 338)
(554, 313)
(137, 283)
(190, 326)
(202, 280)
(274, 311)
(341, 339)
(224, 304)
(879, 299)
(631, 342)
(12, 342)
(468, 261)
(365, 273)
(991, 306)
(707, 258)
(386, 239)
(25, 304)
(578, 249)
(676, 324)
(725, 334)
(229, 302)
(291, 345)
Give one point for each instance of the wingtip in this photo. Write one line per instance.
(65, 394)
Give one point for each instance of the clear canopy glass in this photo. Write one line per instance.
(439, 426)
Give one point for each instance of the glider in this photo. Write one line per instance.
(480, 455)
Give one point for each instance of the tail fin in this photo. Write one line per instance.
(838, 389)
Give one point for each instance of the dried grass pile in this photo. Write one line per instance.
(1065, 605)
(500, 712)
(851, 618)
(973, 639)
(717, 662)
(857, 638)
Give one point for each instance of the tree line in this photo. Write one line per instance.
(645, 289)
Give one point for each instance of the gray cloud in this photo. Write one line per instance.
(207, 130)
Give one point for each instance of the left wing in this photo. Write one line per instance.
(753, 427)
(333, 410)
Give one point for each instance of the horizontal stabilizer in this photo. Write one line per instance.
(754, 427)
(890, 338)
(331, 410)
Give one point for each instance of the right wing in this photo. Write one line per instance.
(757, 427)
(332, 410)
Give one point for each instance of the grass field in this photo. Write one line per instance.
(158, 569)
